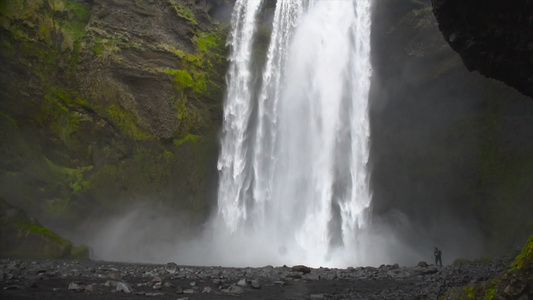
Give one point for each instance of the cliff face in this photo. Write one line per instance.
(451, 150)
(492, 37)
(109, 102)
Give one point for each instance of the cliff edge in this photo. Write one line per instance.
(492, 37)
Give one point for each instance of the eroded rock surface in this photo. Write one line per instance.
(493, 37)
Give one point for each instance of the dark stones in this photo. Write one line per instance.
(80, 287)
(422, 264)
(385, 282)
(255, 284)
(23, 236)
(301, 268)
(124, 287)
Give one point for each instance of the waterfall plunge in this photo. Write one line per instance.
(293, 180)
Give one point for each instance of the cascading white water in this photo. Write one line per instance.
(293, 164)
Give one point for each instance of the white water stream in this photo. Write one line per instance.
(293, 184)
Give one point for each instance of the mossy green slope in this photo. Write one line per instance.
(99, 105)
(516, 283)
(23, 236)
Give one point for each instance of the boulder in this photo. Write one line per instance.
(301, 268)
(422, 264)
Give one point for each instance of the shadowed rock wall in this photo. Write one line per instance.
(492, 37)
(107, 103)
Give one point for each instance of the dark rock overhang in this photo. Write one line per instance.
(493, 37)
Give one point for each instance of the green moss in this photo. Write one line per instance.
(182, 79)
(47, 39)
(152, 166)
(183, 12)
(81, 252)
(56, 22)
(422, 11)
(525, 258)
(52, 236)
(14, 151)
(189, 138)
(127, 123)
(197, 83)
(470, 292)
(211, 49)
(490, 291)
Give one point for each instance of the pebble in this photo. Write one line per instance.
(242, 282)
(124, 287)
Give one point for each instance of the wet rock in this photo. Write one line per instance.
(124, 287)
(80, 287)
(425, 271)
(294, 275)
(171, 268)
(422, 264)
(515, 289)
(157, 286)
(279, 282)
(386, 282)
(499, 50)
(154, 294)
(114, 276)
(112, 283)
(242, 282)
(301, 268)
(179, 290)
(233, 290)
(255, 284)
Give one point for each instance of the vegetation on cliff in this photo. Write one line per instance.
(23, 236)
(105, 106)
(516, 283)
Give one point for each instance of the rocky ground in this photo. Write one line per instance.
(81, 279)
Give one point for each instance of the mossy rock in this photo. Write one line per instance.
(23, 237)
(81, 252)
(514, 284)
(525, 258)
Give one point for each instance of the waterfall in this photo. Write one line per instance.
(293, 164)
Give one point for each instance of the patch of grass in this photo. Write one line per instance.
(44, 232)
(490, 291)
(127, 122)
(189, 138)
(525, 258)
(184, 12)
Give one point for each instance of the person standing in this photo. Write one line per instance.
(438, 254)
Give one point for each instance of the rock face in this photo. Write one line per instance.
(23, 236)
(492, 37)
(447, 144)
(109, 99)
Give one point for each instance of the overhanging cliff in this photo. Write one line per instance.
(491, 36)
